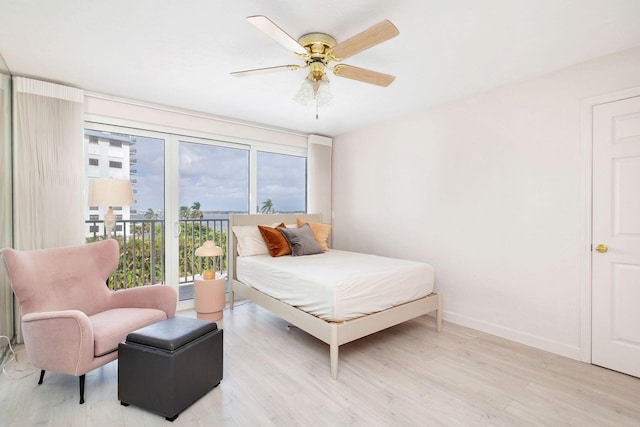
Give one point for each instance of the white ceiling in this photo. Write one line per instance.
(180, 53)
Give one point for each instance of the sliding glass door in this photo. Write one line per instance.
(184, 189)
(140, 228)
(213, 182)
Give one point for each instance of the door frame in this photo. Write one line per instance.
(586, 144)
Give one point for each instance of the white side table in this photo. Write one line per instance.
(209, 298)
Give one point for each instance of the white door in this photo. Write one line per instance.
(616, 236)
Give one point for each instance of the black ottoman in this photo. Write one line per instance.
(167, 366)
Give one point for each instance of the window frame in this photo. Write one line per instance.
(172, 137)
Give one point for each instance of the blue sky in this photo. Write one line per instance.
(218, 177)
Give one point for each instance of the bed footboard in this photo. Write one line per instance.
(337, 333)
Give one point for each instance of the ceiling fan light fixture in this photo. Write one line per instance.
(323, 94)
(305, 93)
(314, 90)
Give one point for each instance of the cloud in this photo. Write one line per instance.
(218, 177)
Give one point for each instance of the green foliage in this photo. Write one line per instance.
(267, 207)
(193, 235)
(194, 211)
(145, 244)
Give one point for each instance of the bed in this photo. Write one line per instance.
(268, 282)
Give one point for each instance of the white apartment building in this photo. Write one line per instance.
(109, 156)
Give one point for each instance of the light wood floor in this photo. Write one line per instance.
(408, 375)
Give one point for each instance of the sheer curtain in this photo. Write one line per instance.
(6, 296)
(48, 166)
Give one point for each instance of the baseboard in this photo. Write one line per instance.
(562, 349)
(184, 305)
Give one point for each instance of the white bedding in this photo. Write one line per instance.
(337, 285)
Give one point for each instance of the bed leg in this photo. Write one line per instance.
(334, 361)
(439, 314)
(333, 352)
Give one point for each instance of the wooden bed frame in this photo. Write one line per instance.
(332, 333)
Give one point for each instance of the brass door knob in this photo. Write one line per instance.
(602, 248)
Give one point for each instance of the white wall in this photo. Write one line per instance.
(487, 189)
(124, 112)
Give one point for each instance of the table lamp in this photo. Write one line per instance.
(208, 249)
(110, 192)
(208, 296)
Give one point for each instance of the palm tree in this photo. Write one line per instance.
(185, 212)
(195, 211)
(150, 214)
(267, 207)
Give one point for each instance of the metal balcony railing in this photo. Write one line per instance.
(142, 253)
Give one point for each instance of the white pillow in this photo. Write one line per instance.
(249, 240)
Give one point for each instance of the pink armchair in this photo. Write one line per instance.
(71, 322)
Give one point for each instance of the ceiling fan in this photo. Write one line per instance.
(318, 51)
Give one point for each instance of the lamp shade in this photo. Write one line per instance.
(208, 248)
(110, 192)
(305, 93)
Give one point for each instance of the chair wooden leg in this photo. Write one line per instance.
(81, 389)
(81, 378)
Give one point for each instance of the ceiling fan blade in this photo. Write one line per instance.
(377, 34)
(264, 70)
(267, 26)
(363, 75)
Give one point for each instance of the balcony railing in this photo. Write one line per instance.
(142, 256)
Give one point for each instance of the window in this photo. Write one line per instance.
(281, 183)
(207, 180)
(213, 181)
(93, 162)
(213, 177)
(141, 237)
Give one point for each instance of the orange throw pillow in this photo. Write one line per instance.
(320, 232)
(275, 241)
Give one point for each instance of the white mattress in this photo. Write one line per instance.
(337, 285)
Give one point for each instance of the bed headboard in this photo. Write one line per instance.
(259, 219)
